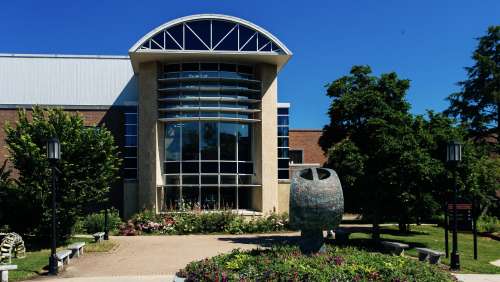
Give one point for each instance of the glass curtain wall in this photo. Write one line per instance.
(208, 110)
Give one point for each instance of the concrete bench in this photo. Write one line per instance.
(4, 271)
(98, 237)
(76, 249)
(427, 254)
(395, 247)
(63, 258)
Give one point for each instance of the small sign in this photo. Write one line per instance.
(464, 217)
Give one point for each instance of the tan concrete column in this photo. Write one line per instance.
(266, 138)
(147, 136)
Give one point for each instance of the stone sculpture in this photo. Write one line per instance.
(316, 204)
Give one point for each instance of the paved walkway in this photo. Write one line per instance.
(478, 277)
(157, 258)
(153, 257)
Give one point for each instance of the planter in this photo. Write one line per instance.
(178, 279)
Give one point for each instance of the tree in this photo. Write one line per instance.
(392, 164)
(477, 104)
(88, 167)
(368, 137)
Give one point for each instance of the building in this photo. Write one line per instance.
(194, 108)
(304, 147)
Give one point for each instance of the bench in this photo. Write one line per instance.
(4, 271)
(63, 258)
(395, 247)
(98, 237)
(428, 254)
(76, 249)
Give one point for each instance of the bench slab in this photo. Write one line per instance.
(99, 236)
(4, 271)
(63, 254)
(7, 267)
(395, 247)
(76, 249)
(432, 255)
(78, 245)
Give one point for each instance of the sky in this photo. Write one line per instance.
(426, 41)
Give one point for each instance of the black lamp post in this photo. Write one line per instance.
(454, 156)
(106, 224)
(53, 155)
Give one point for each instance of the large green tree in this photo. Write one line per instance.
(392, 164)
(370, 142)
(88, 167)
(477, 104)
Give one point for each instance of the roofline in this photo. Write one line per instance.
(63, 56)
(168, 24)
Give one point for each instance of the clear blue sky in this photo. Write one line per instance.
(428, 42)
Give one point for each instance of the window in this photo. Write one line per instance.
(129, 148)
(172, 142)
(283, 143)
(296, 156)
(209, 159)
(209, 139)
(190, 141)
(228, 141)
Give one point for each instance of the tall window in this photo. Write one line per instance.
(208, 110)
(283, 147)
(207, 163)
(130, 144)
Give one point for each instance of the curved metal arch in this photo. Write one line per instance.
(138, 46)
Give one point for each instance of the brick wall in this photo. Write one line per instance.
(307, 140)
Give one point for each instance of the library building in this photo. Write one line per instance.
(193, 108)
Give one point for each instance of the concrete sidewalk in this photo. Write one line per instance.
(478, 277)
(152, 278)
(153, 257)
(158, 258)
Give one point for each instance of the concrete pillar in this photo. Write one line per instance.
(147, 136)
(266, 138)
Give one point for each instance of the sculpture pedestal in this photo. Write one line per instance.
(312, 241)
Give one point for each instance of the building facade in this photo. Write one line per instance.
(194, 109)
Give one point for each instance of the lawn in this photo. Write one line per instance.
(433, 237)
(35, 263)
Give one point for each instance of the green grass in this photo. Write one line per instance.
(35, 263)
(433, 238)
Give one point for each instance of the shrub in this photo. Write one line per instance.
(286, 263)
(197, 222)
(489, 224)
(94, 222)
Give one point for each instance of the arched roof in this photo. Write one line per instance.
(210, 33)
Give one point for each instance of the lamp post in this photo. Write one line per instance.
(106, 224)
(454, 156)
(53, 155)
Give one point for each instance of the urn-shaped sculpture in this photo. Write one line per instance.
(316, 204)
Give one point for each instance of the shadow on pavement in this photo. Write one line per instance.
(263, 241)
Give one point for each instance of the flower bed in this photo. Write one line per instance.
(198, 222)
(286, 263)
